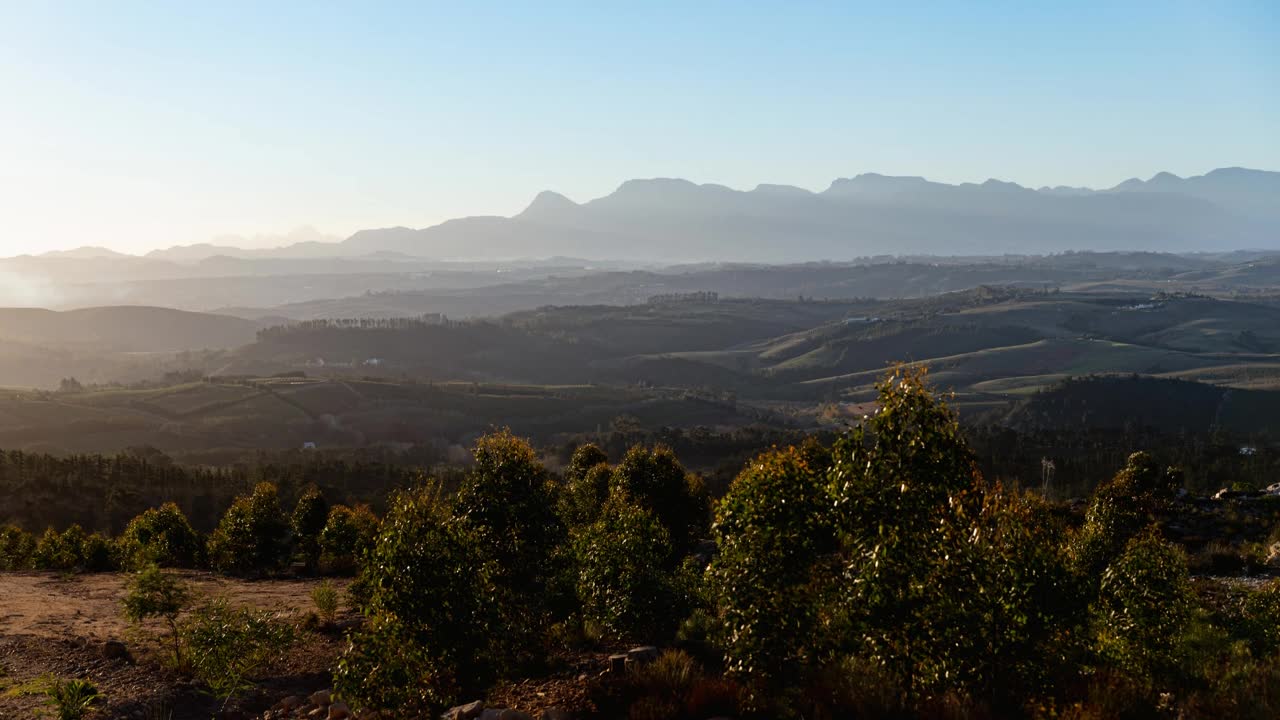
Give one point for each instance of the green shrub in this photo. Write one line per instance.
(228, 644)
(654, 479)
(586, 486)
(73, 549)
(253, 536)
(325, 597)
(72, 699)
(508, 506)
(154, 593)
(1144, 607)
(622, 582)
(310, 515)
(347, 535)
(17, 548)
(429, 621)
(773, 530)
(160, 536)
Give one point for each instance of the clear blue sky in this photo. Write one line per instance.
(136, 125)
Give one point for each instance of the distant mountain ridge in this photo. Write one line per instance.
(676, 220)
(868, 214)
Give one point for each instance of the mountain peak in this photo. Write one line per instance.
(547, 202)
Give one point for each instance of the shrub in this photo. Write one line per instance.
(228, 644)
(773, 530)
(253, 535)
(507, 506)
(17, 548)
(153, 593)
(348, 533)
(72, 699)
(655, 480)
(622, 582)
(160, 536)
(894, 479)
(310, 515)
(1144, 607)
(1120, 509)
(428, 618)
(586, 486)
(325, 597)
(72, 549)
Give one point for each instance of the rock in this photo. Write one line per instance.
(555, 713)
(339, 711)
(510, 714)
(491, 714)
(617, 664)
(470, 711)
(114, 650)
(318, 713)
(642, 655)
(320, 697)
(289, 704)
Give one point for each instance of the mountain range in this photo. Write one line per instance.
(675, 220)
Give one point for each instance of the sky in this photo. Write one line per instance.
(136, 125)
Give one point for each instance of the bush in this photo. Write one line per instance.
(325, 597)
(347, 535)
(586, 486)
(72, 699)
(622, 582)
(17, 548)
(773, 530)
(229, 644)
(160, 536)
(253, 536)
(654, 479)
(1144, 607)
(72, 549)
(429, 621)
(310, 515)
(153, 593)
(507, 505)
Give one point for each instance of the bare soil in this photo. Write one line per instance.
(54, 625)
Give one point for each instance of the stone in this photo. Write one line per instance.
(318, 713)
(643, 655)
(470, 711)
(339, 711)
(510, 714)
(617, 664)
(320, 697)
(289, 704)
(555, 713)
(491, 714)
(114, 650)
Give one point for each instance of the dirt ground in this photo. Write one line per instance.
(54, 625)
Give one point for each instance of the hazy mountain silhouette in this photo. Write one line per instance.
(870, 214)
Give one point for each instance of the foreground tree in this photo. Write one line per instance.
(160, 536)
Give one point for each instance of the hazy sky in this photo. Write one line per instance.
(137, 125)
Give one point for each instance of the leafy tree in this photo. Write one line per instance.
(160, 536)
(894, 477)
(253, 535)
(773, 529)
(586, 485)
(507, 505)
(1145, 605)
(348, 533)
(154, 593)
(429, 627)
(308, 520)
(17, 548)
(72, 549)
(654, 478)
(622, 580)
